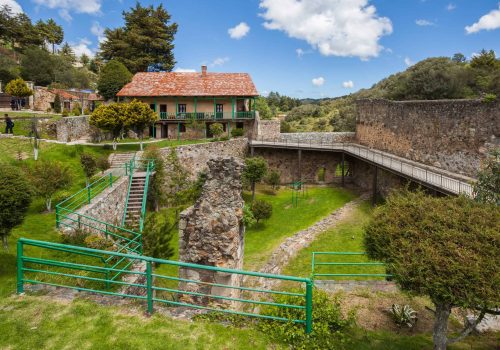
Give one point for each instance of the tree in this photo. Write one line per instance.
(157, 235)
(55, 33)
(156, 194)
(273, 179)
(57, 103)
(103, 164)
(146, 39)
(261, 210)
(255, 170)
(459, 58)
(47, 178)
(15, 199)
(449, 253)
(67, 53)
(38, 66)
(216, 129)
(137, 116)
(113, 77)
(109, 118)
(84, 60)
(264, 110)
(19, 89)
(487, 187)
(89, 166)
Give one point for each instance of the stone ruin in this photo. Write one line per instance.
(211, 232)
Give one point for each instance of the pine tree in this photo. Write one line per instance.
(113, 77)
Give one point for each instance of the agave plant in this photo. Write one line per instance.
(403, 315)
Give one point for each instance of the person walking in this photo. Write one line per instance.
(9, 124)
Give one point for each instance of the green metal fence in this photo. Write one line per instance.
(342, 264)
(98, 271)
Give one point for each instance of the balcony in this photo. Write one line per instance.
(207, 116)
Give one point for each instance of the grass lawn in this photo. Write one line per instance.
(20, 114)
(263, 238)
(347, 236)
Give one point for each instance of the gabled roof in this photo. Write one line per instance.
(64, 94)
(189, 84)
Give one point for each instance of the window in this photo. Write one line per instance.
(181, 108)
(219, 108)
(182, 127)
(163, 108)
(239, 125)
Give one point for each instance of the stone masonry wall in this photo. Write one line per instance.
(108, 206)
(194, 157)
(72, 128)
(211, 232)
(316, 137)
(454, 135)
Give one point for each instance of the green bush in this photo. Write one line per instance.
(273, 179)
(248, 218)
(329, 325)
(237, 132)
(65, 113)
(77, 109)
(76, 238)
(87, 111)
(261, 210)
(216, 129)
(403, 316)
(103, 163)
(488, 98)
(98, 242)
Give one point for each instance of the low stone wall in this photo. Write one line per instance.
(72, 128)
(454, 135)
(194, 158)
(108, 206)
(317, 137)
(266, 129)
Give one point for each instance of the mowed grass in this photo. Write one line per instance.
(37, 323)
(263, 238)
(346, 236)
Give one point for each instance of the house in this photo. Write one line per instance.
(43, 99)
(188, 103)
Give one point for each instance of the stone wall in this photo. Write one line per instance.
(211, 232)
(317, 137)
(72, 128)
(266, 129)
(194, 158)
(454, 135)
(363, 173)
(108, 206)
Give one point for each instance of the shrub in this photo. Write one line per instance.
(403, 315)
(216, 129)
(261, 210)
(65, 112)
(103, 164)
(77, 109)
(237, 132)
(255, 170)
(98, 242)
(488, 98)
(158, 231)
(487, 187)
(328, 328)
(89, 165)
(57, 103)
(273, 179)
(47, 178)
(87, 111)
(248, 218)
(77, 237)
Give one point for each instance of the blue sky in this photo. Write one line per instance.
(310, 48)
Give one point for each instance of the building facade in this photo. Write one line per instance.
(188, 103)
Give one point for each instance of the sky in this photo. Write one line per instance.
(300, 48)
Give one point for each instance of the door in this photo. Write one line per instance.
(164, 131)
(219, 111)
(163, 111)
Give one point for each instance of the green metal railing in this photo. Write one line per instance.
(341, 265)
(207, 115)
(101, 269)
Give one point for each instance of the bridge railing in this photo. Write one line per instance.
(96, 271)
(422, 173)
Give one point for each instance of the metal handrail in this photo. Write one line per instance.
(24, 263)
(314, 265)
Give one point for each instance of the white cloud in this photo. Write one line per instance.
(318, 81)
(424, 23)
(65, 7)
(82, 47)
(300, 53)
(240, 31)
(219, 61)
(451, 7)
(184, 70)
(98, 31)
(408, 61)
(13, 5)
(348, 84)
(334, 27)
(490, 21)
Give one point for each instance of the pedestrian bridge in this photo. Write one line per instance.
(428, 176)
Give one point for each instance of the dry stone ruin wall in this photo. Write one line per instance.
(454, 135)
(211, 232)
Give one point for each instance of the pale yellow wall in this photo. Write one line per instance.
(203, 105)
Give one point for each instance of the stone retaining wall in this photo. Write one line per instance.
(454, 135)
(317, 137)
(72, 128)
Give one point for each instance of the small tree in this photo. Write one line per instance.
(49, 177)
(216, 129)
(487, 187)
(89, 166)
(109, 118)
(255, 170)
(261, 210)
(77, 109)
(137, 116)
(157, 235)
(57, 104)
(15, 199)
(273, 179)
(449, 253)
(19, 89)
(103, 164)
(114, 75)
(157, 194)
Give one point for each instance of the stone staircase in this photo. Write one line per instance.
(117, 160)
(134, 205)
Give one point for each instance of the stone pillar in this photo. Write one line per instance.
(211, 232)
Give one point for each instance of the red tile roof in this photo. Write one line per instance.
(64, 94)
(95, 97)
(189, 84)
